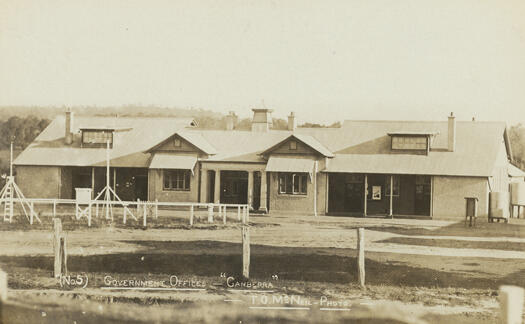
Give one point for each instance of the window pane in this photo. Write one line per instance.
(303, 184)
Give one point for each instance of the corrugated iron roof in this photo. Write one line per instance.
(358, 146)
(49, 147)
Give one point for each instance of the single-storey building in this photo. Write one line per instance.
(363, 168)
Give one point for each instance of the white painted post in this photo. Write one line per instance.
(511, 304)
(224, 216)
(3, 289)
(156, 209)
(145, 214)
(57, 226)
(239, 213)
(54, 208)
(246, 251)
(391, 213)
(361, 256)
(191, 215)
(210, 213)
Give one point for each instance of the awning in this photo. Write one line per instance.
(290, 164)
(171, 161)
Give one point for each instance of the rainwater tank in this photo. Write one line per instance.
(517, 193)
(499, 204)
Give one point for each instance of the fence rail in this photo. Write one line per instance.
(142, 209)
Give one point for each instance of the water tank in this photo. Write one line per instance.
(499, 204)
(517, 193)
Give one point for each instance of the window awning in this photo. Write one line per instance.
(290, 164)
(171, 161)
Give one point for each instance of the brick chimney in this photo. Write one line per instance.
(292, 122)
(262, 120)
(231, 119)
(69, 125)
(451, 132)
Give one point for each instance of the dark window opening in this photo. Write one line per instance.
(176, 180)
(293, 183)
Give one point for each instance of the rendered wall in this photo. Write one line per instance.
(39, 181)
(449, 196)
(298, 204)
(156, 191)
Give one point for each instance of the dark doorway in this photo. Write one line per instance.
(345, 193)
(81, 178)
(211, 186)
(256, 190)
(423, 188)
(132, 184)
(234, 187)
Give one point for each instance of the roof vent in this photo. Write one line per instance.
(262, 120)
(231, 119)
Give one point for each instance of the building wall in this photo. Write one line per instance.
(298, 204)
(156, 191)
(449, 194)
(39, 181)
(66, 188)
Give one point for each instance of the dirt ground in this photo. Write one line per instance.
(417, 271)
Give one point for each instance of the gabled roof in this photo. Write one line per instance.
(193, 138)
(132, 138)
(305, 139)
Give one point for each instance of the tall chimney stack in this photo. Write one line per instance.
(451, 132)
(292, 122)
(230, 120)
(262, 120)
(69, 122)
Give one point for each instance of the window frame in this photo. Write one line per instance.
(403, 142)
(175, 177)
(99, 136)
(293, 145)
(294, 183)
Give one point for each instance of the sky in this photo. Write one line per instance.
(324, 60)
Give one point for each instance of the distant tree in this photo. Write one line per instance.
(517, 140)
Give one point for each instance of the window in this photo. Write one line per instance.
(423, 185)
(293, 145)
(176, 142)
(293, 183)
(176, 180)
(97, 136)
(409, 142)
(395, 190)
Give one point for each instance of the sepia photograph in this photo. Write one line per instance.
(262, 161)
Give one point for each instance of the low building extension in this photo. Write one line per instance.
(363, 168)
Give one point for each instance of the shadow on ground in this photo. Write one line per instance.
(209, 258)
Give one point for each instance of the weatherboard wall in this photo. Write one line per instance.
(39, 181)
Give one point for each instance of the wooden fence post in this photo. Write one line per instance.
(191, 215)
(239, 213)
(246, 251)
(210, 213)
(511, 304)
(361, 256)
(63, 254)
(57, 226)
